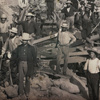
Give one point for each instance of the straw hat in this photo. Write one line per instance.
(26, 36)
(13, 30)
(3, 16)
(68, 2)
(94, 49)
(30, 14)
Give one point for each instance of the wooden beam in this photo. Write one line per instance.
(77, 59)
(81, 53)
(45, 38)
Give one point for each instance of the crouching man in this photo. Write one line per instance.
(91, 68)
(65, 39)
(25, 58)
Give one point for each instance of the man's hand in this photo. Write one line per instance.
(33, 35)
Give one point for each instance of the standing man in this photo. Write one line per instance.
(85, 23)
(69, 13)
(91, 68)
(50, 8)
(12, 42)
(25, 58)
(65, 39)
(4, 27)
(29, 25)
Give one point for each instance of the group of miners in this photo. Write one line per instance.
(23, 54)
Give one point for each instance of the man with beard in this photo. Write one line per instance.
(25, 56)
(65, 39)
(11, 43)
(29, 25)
(69, 13)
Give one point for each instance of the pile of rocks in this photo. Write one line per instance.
(45, 87)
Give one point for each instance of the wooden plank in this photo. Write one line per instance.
(45, 38)
(81, 53)
(77, 59)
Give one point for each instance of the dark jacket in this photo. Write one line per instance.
(70, 13)
(30, 28)
(31, 58)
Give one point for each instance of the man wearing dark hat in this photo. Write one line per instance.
(65, 39)
(25, 58)
(92, 68)
(69, 13)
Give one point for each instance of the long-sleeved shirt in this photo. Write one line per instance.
(92, 65)
(29, 27)
(65, 38)
(11, 44)
(68, 11)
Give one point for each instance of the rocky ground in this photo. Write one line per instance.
(48, 86)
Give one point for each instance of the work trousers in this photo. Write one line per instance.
(24, 80)
(70, 21)
(63, 51)
(4, 36)
(93, 85)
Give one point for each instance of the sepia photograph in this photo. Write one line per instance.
(49, 49)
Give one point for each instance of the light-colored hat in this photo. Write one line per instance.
(68, 2)
(26, 36)
(13, 30)
(30, 14)
(3, 16)
(64, 23)
(88, 6)
(94, 49)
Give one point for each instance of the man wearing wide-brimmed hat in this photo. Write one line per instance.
(92, 69)
(29, 25)
(12, 41)
(69, 13)
(65, 39)
(25, 58)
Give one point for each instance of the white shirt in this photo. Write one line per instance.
(4, 27)
(92, 65)
(68, 9)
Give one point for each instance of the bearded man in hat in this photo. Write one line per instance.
(10, 45)
(12, 42)
(92, 69)
(29, 25)
(25, 56)
(69, 13)
(4, 28)
(65, 39)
